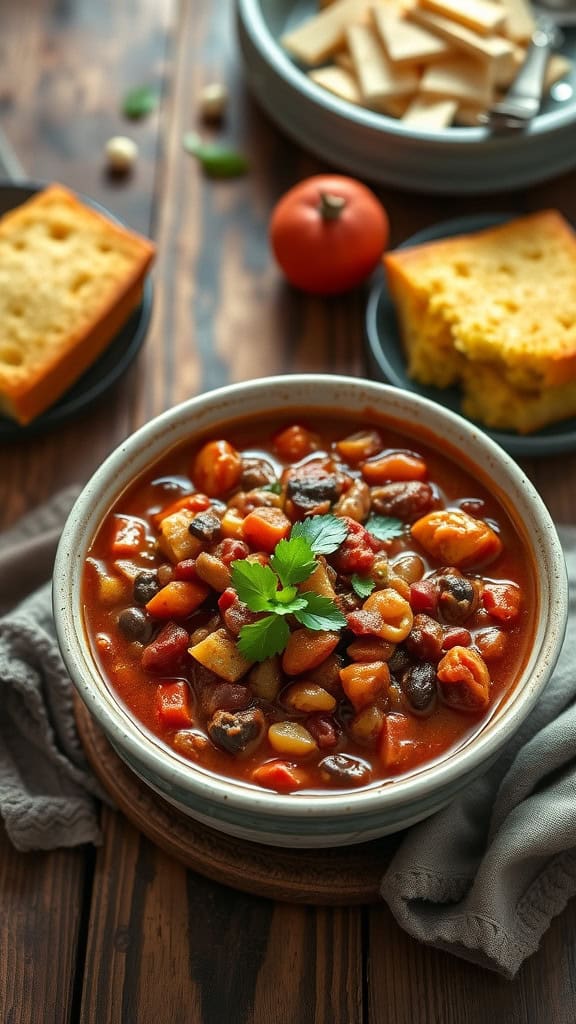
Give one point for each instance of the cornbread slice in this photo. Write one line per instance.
(494, 311)
(69, 278)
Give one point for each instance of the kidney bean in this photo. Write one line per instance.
(424, 640)
(343, 770)
(404, 500)
(164, 654)
(324, 730)
(456, 636)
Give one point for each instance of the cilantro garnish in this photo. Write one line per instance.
(384, 527)
(324, 534)
(274, 588)
(362, 585)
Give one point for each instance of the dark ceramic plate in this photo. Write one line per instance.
(107, 369)
(388, 362)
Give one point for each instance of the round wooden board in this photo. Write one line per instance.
(340, 876)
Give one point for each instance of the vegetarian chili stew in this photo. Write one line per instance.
(309, 605)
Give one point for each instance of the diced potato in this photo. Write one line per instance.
(309, 697)
(213, 571)
(111, 589)
(291, 738)
(319, 583)
(366, 726)
(175, 541)
(232, 524)
(219, 653)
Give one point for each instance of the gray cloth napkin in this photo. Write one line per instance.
(484, 877)
(46, 788)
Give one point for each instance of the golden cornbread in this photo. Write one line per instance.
(494, 311)
(69, 278)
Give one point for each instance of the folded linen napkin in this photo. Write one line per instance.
(484, 877)
(46, 788)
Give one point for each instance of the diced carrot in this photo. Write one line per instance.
(399, 747)
(294, 443)
(362, 445)
(217, 468)
(128, 537)
(502, 600)
(278, 775)
(194, 502)
(219, 653)
(173, 705)
(363, 681)
(306, 649)
(395, 466)
(265, 527)
(177, 600)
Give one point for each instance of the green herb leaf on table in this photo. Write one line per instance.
(320, 613)
(293, 561)
(217, 161)
(362, 585)
(384, 527)
(324, 534)
(255, 584)
(263, 639)
(140, 101)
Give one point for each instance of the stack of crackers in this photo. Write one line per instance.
(430, 63)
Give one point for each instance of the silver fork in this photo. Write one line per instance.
(524, 98)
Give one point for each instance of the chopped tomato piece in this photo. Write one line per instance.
(186, 570)
(502, 600)
(278, 775)
(424, 596)
(128, 537)
(173, 705)
(265, 527)
(227, 598)
(230, 549)
(394, 466)
(194, 502)
(177, 600)
(356, 554)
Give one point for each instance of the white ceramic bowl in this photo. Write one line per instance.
(333, 818)
(383, 149)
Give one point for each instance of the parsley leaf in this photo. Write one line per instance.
(362, 585)
(293, 561)
(384, 527)
(262, 639)
(320, 613)
(255, 584)
(324, 533)
(140, 101)
(275, 487)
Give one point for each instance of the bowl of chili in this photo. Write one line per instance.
(309, 610)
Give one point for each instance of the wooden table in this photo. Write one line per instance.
(124, 933)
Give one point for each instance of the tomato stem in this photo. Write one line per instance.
(331, 206)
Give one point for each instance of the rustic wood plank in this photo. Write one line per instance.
(166, 944)
(42, 897)
(409, 982)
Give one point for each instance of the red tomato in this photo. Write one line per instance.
(328, 233)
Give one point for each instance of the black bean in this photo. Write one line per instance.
(205, 526)
(146, 584)
(237, 732)
(136, 624)
(419, 686)
(343, 770)
(308, 491)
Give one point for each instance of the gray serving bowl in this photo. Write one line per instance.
(382, 149)
(327, 819)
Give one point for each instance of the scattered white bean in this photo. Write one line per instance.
(121, 153)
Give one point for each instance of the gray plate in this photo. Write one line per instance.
(387, 356)
(382, 149)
